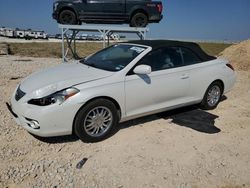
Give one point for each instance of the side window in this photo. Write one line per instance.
(163, 58)
(152, 59)
(189, 57)
(172, 58)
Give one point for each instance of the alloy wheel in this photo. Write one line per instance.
(98, 121)
(213, 96)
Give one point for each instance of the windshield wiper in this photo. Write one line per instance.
(91, 64)
(82, 60)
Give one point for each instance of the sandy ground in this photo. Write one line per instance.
(239, 55)
(183, 148)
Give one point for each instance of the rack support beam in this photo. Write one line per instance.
(105, 30)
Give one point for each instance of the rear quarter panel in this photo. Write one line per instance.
(228, 75)
(203, 74)
(134, 6)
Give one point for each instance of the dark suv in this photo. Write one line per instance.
(138, 13)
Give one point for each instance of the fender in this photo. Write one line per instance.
(137, 8)
(68, 6)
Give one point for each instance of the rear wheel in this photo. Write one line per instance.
(212, 96)
(96, 120)
(67, 17)
(139, 20)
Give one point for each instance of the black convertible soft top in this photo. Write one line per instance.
(170, 43)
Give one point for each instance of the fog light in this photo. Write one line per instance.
(33, 123)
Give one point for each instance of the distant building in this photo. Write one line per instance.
(36, 34)
(1, 31)
(21, 33)
(7, 32)
(115, 37)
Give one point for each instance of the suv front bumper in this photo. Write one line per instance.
(55, 15)
(155, 18)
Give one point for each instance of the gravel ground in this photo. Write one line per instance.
(181, 148)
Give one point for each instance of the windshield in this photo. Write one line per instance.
(114, 58)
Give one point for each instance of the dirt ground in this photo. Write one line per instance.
(182, 148)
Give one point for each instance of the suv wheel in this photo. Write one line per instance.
(212, 96)
(67, 17)
(96, 120)
(139, 20)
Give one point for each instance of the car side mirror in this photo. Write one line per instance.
(142, 69)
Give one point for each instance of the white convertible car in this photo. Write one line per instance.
(124, 81)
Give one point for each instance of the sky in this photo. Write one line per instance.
(183, 19)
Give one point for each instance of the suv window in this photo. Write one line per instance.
(189, 57)
(163, 58)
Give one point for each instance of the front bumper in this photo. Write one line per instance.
(55, 15)
(53, 120)
(155, 18)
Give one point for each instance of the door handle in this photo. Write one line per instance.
(184, 76)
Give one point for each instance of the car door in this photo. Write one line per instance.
(166, 86)
(91, 8)
(200, 73)
(114, 8)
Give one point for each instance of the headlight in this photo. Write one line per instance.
(55, 6)
(58, 97)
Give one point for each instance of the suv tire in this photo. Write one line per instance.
(67, 17)
(139, 20)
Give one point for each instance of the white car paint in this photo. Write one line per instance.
(137, 95)
(48, 81)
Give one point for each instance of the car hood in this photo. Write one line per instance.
(48, 81)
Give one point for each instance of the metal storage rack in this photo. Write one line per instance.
(105, 30)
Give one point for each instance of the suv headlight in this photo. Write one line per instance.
(55, 5)
(58, 97)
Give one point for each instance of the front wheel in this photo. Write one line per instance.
(67, 17)
(96, 120)
(212, 96)
(139, 20)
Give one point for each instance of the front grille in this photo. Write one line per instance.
(19, 94)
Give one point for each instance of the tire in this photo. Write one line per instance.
(212, 96)
(139, 20)
(96, 120)
(67, 17)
